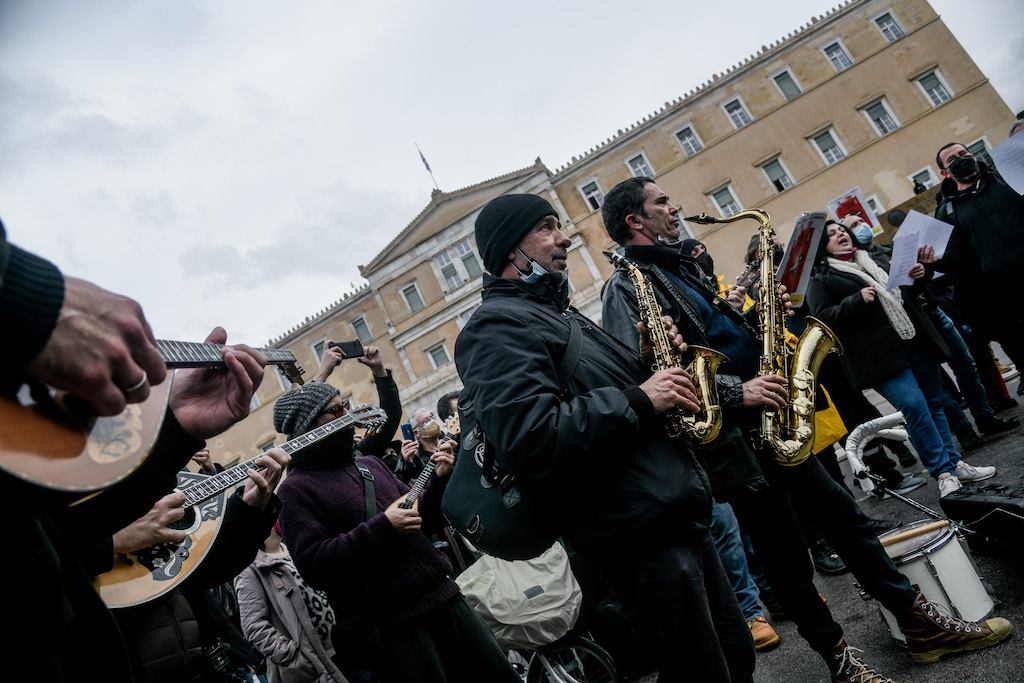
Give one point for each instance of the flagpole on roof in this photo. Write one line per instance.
(424, 160)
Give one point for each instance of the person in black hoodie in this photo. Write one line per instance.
(625, 495)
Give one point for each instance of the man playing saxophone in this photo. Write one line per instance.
(763, 493)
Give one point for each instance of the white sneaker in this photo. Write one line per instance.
(947, 484)
(965, 472)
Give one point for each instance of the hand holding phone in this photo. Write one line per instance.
(351, 349)
(407, 432)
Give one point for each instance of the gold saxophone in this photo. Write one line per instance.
(704, 426)
(787, 433)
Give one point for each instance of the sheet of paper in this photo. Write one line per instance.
(1009, 158)
(917, 230)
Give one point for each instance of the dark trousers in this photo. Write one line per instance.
(770, 519)
(680, 598)
(449, 645)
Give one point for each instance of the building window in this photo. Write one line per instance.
(639, 166)
(923, 177)
(934, 88)
(412, 297)
(439, 355)
(887, 24)
(265, 446)
(837, 56)
(726, 201)
(451, 277)
(980, 151)
(882, 118)
(592, 194)
(688, 140)
(318, 349)
(469, 261)
(254, 403)
(829, 147)
(875, 204)
(787, 84)
(361, 329)
(777, 175)
(737, 113)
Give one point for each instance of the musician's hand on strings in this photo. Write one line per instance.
(206, 401)
(787, 306)
(260, 488)
(737, 296)
(404, 521)
(769, 391)
(101, 350)
(926, 254)
(332, 358)
(152, 527)
(917, 271)
(868, 294)
(647, 348)
(373, 359)
(444, 459)
(409, 449)
(671, 388)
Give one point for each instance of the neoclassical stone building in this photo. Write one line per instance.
(860, 97)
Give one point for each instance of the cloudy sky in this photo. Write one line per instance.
(232, 162)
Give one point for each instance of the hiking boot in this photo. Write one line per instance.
(993, 424)
(947, 484)
(969, 439)
(825, 559)
(908, 483)
(932, 631)
(880, 526)
(969, 473)
(846, 667)
(765, 637)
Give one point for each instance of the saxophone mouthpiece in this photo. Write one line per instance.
(702, 218)
(616, 259)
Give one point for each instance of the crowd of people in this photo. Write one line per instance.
(324, 568)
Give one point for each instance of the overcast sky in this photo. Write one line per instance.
(232, 162)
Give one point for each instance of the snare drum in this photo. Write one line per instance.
(933, 556)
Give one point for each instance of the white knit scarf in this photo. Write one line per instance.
(892, 302)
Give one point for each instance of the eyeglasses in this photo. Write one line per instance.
(337, 411)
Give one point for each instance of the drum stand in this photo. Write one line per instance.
(880, 483)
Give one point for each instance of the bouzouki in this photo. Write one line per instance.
(46, 443)
(146, 574)
(411, 499)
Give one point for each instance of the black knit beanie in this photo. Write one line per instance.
(504, 222)
(296, 410)
(687, 245)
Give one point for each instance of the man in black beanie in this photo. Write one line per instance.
(629, 499)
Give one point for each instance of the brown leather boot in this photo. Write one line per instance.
(932, 631)
(846, 667)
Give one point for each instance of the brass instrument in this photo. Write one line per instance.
(787, 433)
(702, 427)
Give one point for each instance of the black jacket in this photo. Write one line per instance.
(730, 460)
(985, 249)
(619, 485)
(871, 347)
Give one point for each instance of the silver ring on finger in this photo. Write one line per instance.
(138, 385)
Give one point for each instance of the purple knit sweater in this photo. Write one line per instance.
(365, 567)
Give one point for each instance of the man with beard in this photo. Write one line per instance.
(985, 251)
(400, 618)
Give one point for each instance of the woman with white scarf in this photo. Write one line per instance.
(890, 346)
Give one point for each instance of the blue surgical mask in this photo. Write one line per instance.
(863, 233)
(536, 271)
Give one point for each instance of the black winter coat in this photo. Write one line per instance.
(618, 484)
(729, 460)
(872, 350)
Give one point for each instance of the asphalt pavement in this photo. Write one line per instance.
(998, 563)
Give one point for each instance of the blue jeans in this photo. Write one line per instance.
(725, 531)
(917, 392)
(964, 367)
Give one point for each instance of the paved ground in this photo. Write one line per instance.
(794, 662)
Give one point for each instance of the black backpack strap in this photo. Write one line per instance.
(567, 365)
(371, 500)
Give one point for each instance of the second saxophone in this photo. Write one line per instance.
(702, 427)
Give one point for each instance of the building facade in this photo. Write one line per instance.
(861, 97)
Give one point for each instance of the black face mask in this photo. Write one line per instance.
(706, 263)
(332, 450)
(965, 169)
